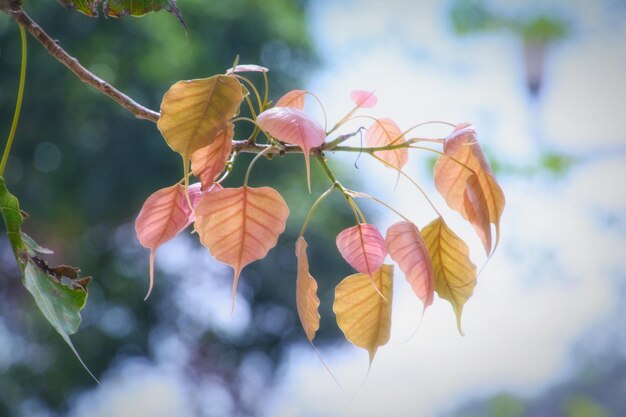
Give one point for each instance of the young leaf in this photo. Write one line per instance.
(240, 225)
(362, 315)
(363, 248)
(452, 174)
(292, 125)
(10, 209)
(455, 274)
(475, 206)
(247, 68)
(364, 99)
(306, 293)
(208, 163)
(163, 215)
(194, 111)
(384, 132)
(294, 98)
(407, 248)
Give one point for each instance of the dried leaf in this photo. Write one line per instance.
(362, 315)
(407, 248)
(240, 225)
(294, 98)
(306, 293)
(208, 163)
(451, 178)
(455, 274)
(194, 111)
(364, 99)
(384, 132)
(292, 125)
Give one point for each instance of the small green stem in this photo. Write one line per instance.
(312, 210)
(18, 104)
(346, 193)
(256, 158)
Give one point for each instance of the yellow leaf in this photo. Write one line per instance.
(362, 314)
(455, 274)
(194, 111)
(306, 293)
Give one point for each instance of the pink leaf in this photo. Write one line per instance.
(365, 99)
(163, 215)
(293, 126)
(406, 247)
(294, 98)
(247, 68)
(207, 163)
(475, 205)
(363, 247)
(384, 132)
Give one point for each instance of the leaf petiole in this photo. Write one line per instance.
(313, 207)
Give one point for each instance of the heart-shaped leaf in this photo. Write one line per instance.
(384, 132)
(464, 157)
(208, 163)
(194, 111)
(407, 248)
(364, 99)
(294, 98)
(363, 315)
(307, 301)
(455, 274)
(240, 225)
(292, 125)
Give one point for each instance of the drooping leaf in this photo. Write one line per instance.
(292, 125)
(194, 111)
(384, 132)
(240, 225)
(407, 248)
(207, 163)
(12, 216)
(363, 247)
(455, 274)
(465, 157)
(475, 206)
(307, 301)
(363, 315)
(247, 68)
(119, 8)
(294, 98)
(163, 215)
(364, 99)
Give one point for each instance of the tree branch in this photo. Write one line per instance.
(81, 72)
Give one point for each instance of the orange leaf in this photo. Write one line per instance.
(475, 206)
(362, 315)
(240, 225)
(294, 98)
(384, 132)
(306, 293)
(451, 179)
(455, 274)
(408, 250)
(208, 163)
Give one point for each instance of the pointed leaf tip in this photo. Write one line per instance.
(307, 301)
(362, 314)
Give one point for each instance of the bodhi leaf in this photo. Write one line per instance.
(364, 99)
(475, 206)
(463, 158)
(294, 98)
(407, 248)
(60, 294)
(455, 274)
(208, 163)
(247, 68)
(363, 315)
(384, 132)
(119, 8)
(164, 215)
(240, 225)
(194, 111)
(363, 248)
(292, 125)
(307, 301)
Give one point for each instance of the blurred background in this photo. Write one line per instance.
(545, 331)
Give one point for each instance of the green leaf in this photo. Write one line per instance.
(119, 8)
(13, 219)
